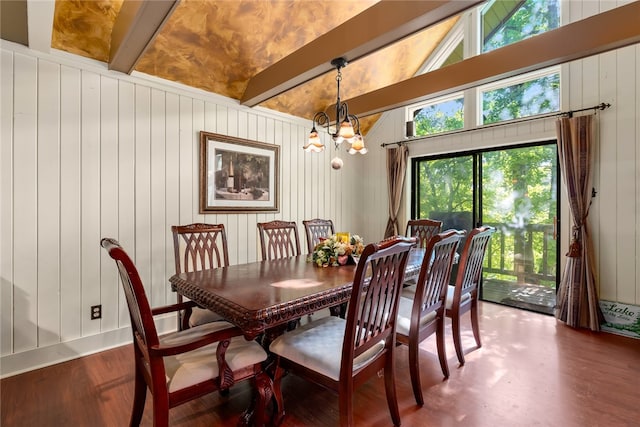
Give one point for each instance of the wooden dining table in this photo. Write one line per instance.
(267, 295)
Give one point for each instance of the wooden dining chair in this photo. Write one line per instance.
(184, 365)
(315, 229)
(463, 296)
(423, 230)
(420, 317)
(198, 247)
(340, 354)
(278, 239)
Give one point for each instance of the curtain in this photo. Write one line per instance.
(577, 303)
(396, 170)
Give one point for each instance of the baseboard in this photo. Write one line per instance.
(14, 364)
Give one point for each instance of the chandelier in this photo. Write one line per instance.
(347, 126)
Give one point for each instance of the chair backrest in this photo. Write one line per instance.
(315, 229)
(435, 272)
(471, 260)
(278, 239)
(142, 324)
(373, 307)
(199, 246)
(423, 230)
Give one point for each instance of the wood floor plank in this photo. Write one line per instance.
(530, 371)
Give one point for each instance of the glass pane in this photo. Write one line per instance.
(439, 117)
(507, 21)
(519, 198)
(445, 191)
(537, 96)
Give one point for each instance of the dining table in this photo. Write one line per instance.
(266, 295)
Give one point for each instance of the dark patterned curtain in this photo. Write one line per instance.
(396, 170)
(577, 303)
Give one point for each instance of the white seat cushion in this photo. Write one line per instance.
(318, 346)
(450, 292)
(200, 365)
(200, 316)
(404, 316)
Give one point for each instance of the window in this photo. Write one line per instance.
(442, 115)
(507, 21)
(539, 93)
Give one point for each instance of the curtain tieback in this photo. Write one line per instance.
(575, 248)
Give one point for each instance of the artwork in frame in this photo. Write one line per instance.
(238, 175)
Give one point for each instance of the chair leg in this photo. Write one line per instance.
(345, 406)
(414, 372)
(390, 389)
(457, 339)
(139, 398)
(442, 350)
(475, 324)
(160, 410)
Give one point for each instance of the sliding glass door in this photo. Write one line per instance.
(513, 190)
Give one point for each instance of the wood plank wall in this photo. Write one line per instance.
(88, 153)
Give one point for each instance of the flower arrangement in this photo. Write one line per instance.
(336, 250)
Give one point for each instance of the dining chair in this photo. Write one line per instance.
(316, 229)
(463, 296)
(423, 230)
(340, 354)
(184, 365)
(278, 239)
(198, 247)
(423, 315)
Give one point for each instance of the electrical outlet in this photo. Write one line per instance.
(96, 312)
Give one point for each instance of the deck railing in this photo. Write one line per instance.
(525, 252)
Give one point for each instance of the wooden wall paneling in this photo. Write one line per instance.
(6, 203)
(243, 220)
(232, 219)
(172, 178)
(210, 125)
(186, 161)
(285, 170)
(25, 204)
(627, 209)
(109, 285)
(198, 121)
(270, 138)
(161, 265)
(221, 127)
(126, 181)
(298, 173)
(605, 88)
(142, 185)
(48, 204)
(90, 199)
(252, 218)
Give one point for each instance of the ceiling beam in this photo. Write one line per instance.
(40, 27)
(382, 24)
(137, 24)
(597, 34)
(14, 21)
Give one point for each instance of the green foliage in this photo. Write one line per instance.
(533, 17)
(439, 117)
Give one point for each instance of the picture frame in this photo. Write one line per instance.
(238, 175)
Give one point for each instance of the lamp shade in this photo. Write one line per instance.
(314, 144)
(357, 146)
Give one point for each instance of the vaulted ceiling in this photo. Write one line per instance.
(277, 53)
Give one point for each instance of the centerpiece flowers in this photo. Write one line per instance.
(337, 250)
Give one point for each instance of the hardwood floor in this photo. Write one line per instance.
(530, 371)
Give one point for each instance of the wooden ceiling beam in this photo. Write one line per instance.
(137, 24)
(597, 34)
(382, 24)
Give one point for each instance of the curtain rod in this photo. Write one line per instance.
(570, 113)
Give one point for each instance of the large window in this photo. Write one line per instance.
(521, 97)
(441, 115)
(508, 21)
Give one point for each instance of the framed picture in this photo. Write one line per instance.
(238, 175)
